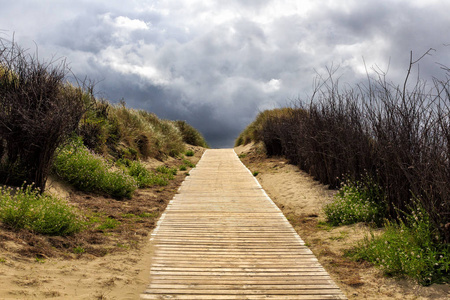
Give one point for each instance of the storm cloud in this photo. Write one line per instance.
(216, 64)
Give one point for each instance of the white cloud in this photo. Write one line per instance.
(130, 24)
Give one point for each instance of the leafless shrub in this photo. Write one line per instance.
(399, 136)
(38, 110)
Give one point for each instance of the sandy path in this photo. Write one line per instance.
(221, 237)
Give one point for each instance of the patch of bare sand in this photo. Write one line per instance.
(116, 263)
(301, 199)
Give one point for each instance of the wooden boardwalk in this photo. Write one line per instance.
(222, 237)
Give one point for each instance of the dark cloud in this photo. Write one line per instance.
(216, 64)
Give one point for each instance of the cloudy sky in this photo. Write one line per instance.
(217, 63)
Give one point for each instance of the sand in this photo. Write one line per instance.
(124, 275)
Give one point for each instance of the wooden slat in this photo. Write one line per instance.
(221, 237)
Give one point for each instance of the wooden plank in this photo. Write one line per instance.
(221, 237)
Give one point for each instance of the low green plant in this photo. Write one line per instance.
(357, 201)
(255, 173)
(144, 177)
(411, 247)
(108, 223)
(189, 153)
(183, 168)
(188, 163)
(166, 170)
(79, 250)
(27, 208)
(89, 172)
(149, 215)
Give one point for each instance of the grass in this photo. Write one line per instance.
(108, 223)
(189, 153)
(188, 163)
(25, 208)
(88, 172)
(412, 248)
(357, 201)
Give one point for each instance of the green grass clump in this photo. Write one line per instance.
(411, 248)
(88, 172)
(357, 201)
(189, 153)
(108, 223)
(26, 208)
(188, 163)
(144, 177)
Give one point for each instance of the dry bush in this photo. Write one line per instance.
(398, 136)
(38, 111)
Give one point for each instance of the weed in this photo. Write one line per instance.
(188, 163)
(183, 168)
(40, 260)
(2, 260)
(324, 226)
(357, 201)
(412, 249)
(149, 215)
(166, 170)
(255, 173)
(108, 223)
(128, 216)
(79, 250)
(189, 153)
(41, 213)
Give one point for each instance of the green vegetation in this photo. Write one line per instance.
(188, 163)
(26, 208)
(89, 172)
(123, 132)
(190, 135)
(189, 153)
(253, 132)
(411, 248)
(357, 201)
(108, 223)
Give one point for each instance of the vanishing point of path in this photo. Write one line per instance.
(222, 237)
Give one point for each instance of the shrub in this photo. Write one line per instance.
(88, 172)
(414, 250)
(189, 153)
(38, 111)
(41, 213)
(253, 132)
(399, 136)
(191, 135)
(357, 201)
